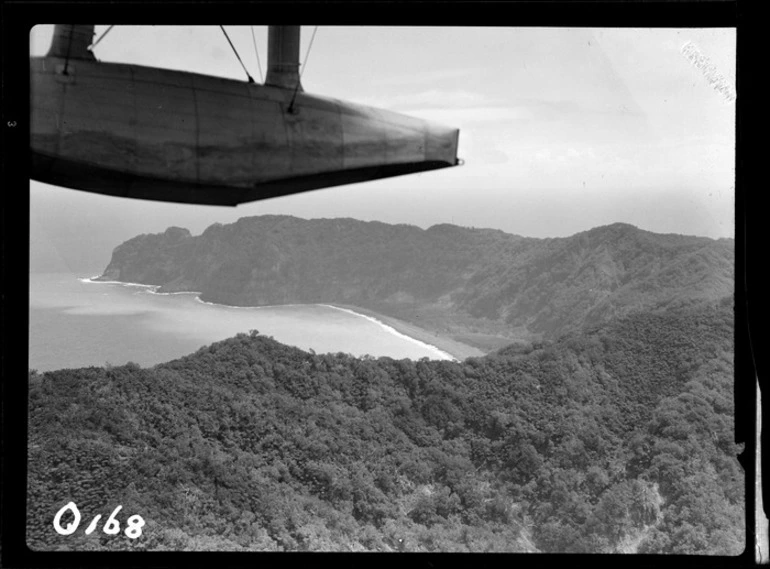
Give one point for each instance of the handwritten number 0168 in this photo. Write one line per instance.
(111, 526)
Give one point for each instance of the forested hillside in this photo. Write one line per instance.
(448, 279)
(617, 439)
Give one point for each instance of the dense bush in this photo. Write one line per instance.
(617, 440)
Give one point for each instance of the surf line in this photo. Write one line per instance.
(92, 280)
(153, 289)
(261, 306)
(390, 329)
(395, 332)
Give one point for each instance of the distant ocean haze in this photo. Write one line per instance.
(77, 323)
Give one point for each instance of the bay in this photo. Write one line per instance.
(74, 322)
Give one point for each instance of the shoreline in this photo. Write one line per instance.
(449, 349)
(94, 280)
(395, 332)
(457, 350)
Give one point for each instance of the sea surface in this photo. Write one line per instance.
(75, 322)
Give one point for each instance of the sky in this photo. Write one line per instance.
(561, 130)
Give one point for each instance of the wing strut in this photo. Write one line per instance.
(71, 41)
(283, 57)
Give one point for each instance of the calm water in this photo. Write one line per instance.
(76, 323)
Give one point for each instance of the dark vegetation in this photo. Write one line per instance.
(476, 285)
(619, 438)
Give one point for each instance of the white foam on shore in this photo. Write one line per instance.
(198, 298)
(93, 280)
(154, 289)
(431, 347)
(177, 292)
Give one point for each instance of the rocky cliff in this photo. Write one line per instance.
(446, 277)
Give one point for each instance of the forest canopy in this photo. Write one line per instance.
(619, 439)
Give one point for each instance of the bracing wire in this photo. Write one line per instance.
(251, 80)
(307, 53)
(302, 70)
(101, 37)
(259, 65)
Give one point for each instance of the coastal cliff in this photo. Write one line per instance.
(480, 286)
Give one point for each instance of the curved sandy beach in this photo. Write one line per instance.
(444, 347)
(457, 350)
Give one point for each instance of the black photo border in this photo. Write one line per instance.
(18, 17)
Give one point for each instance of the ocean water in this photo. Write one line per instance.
(74, 322)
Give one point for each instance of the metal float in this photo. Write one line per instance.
(158, 134)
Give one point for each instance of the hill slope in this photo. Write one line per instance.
(448, 279)
(620, 439)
